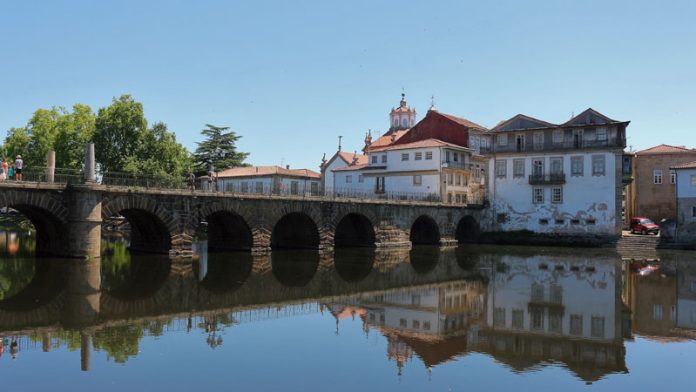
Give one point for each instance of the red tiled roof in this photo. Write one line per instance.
(462, 121)
(688, 165)
(424, 144)
(258, 171)
(665, 149)
(348, 157)
(386, 139)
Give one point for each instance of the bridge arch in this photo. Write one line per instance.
(468, 230)
(354, 230)
(295, 230)
(425, 231)
(294, 268)
(152, 227)
(229, 225)
(46, 212)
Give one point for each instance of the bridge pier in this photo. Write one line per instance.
(83, 293)
(84, 222)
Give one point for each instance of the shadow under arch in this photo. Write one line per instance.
(468, 230)
(134, 276)
(295, 230)
(354, 265)
(466, 258)
(354, 230)
(424, 259)
(228, 231)
(425, 231)
(50, 233)
(294, 268)
(48, 281)
(148, 233)
(224, 272)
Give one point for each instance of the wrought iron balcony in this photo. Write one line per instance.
(547, 179)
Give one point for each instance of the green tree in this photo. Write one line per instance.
(218, 149)
(119, 130)
(74, 131)
(16, 143)
(160, 155)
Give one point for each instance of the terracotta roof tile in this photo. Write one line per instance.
(351, 168)
(688, 165)
(665, 149)
(348, 157)
(386, 139)
(462, 121)
(254, 171)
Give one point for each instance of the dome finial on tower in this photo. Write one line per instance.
(432, 103)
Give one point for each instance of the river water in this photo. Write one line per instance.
(472, 318)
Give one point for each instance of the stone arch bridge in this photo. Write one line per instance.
(68, 220)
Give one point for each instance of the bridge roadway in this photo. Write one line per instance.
(68, 219)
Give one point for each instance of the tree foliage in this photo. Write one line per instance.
(52, 129)
(119, 130)
(218, 149)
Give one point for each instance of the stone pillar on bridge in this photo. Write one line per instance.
(90, 175)
(84, 222)
(82, 293)
(50, 166)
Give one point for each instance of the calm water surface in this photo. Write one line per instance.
(474, 318)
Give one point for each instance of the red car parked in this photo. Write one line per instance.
(644, 226)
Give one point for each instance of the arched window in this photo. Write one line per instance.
(404, 123)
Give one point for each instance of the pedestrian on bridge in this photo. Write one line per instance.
(19, 163)
(3, 170)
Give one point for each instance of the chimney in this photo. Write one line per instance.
(287, 167)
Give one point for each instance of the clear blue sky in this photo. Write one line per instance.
(290, 76)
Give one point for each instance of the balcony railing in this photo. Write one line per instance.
(564, 145)
(547, 179)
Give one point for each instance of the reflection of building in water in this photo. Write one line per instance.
(427, 321)
(533, 311)
(545, 309)
(663, 302)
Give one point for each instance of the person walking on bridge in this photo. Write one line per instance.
(3, 170)
(19, 163)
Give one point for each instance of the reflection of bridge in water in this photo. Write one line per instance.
(523, 309)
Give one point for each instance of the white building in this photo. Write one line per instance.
(558, 179)
(266, 180)
(685, 231)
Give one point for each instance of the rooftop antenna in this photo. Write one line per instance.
(339, 142)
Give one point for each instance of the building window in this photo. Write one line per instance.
(418, 156)
(575, 221)
(519, 142)
(374, 159)
(537, 319)
(499, 317)
(404, 157)
(538, 195)
(450, 178)
(315, 188)
(518, 168)
(601, 134)
(294, 186)
(502, 139)
(426, 325)
(361, 178)
(693, 180)
(657, 177)
(538, 140)
(672, 177)
(456, 156)
(556, 295)
(556, 165)
(402, 323)
(417, 180)
(558, 136)
(501, 168)
(577, 166)
(245, 187)
(501, 218)
(598, 165)
(576, 324)
(458, 180)
(415, 324)
(379, 185)
(557, 195)
(543, 221)
(597, 329)
(560, 221)
(538, 167)
(349, 179)
(517, 318)
(259, 187)
(590, 221)
(657, 312)
(428, 155)
(384, 158)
